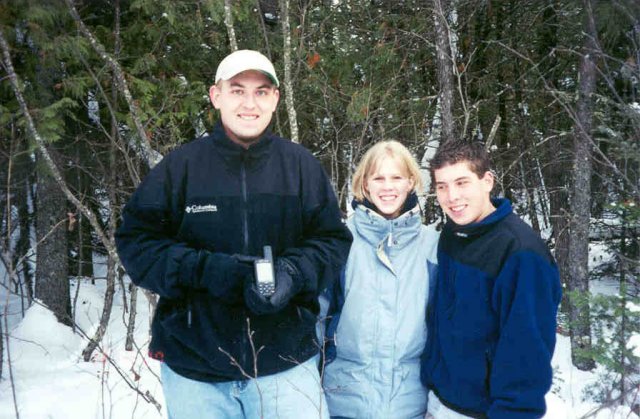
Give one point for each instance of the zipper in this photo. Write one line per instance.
(189, 312)
(245, 249)
(245, 215)
(487, 378)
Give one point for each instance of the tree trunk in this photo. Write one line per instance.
(1, 342)
(52, 282)
(528, 157)
(24, 168)
(578, 284)
(106, 310)
(228, 22)
(445, 63)
(267, 49)
(23, 246)
(133, 311)
(288, 83)
(623, 335)
(80, 246)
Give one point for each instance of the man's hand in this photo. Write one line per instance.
(238, 268)
(287, 285)
(246, 259)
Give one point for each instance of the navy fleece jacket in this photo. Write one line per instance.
(206, 201)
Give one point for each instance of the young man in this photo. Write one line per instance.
(493, 319)
(191, 233)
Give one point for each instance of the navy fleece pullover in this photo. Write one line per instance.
(493, 319)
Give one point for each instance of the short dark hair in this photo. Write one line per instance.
(456, 151)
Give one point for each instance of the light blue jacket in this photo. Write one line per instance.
(380, 331)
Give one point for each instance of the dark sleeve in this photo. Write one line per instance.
(149, 250)
(324, 247)
(526, 297)
(335, 296)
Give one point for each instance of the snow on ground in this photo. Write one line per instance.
(51, 379)
(565, 400)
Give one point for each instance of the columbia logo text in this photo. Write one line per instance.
(194, 209)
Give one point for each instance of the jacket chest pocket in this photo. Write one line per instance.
(212, 223)
(275, 220)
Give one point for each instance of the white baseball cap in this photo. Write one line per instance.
(243, 60)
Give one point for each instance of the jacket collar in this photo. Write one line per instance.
(503, 209)
(394, 233)
(409, 203)
(231, 150)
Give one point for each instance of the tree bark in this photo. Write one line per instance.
(106, 310)
(263, 27)
(529, 176)
(1, 343)
(79, 237)
(52, 282)
(581, 202)
(24, 167)
(623, 335)
(288, 83)
(133, 311)
(445, 63)
(228, 22)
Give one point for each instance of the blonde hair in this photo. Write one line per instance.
(371, 161)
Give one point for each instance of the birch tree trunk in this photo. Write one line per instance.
(228, 22)
(288, 84)
(445, 64)
(578, 283)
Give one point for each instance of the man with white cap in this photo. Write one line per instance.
(192, 233)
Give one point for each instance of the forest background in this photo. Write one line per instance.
(94, 93)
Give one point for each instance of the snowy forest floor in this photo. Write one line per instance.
(52, 381)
